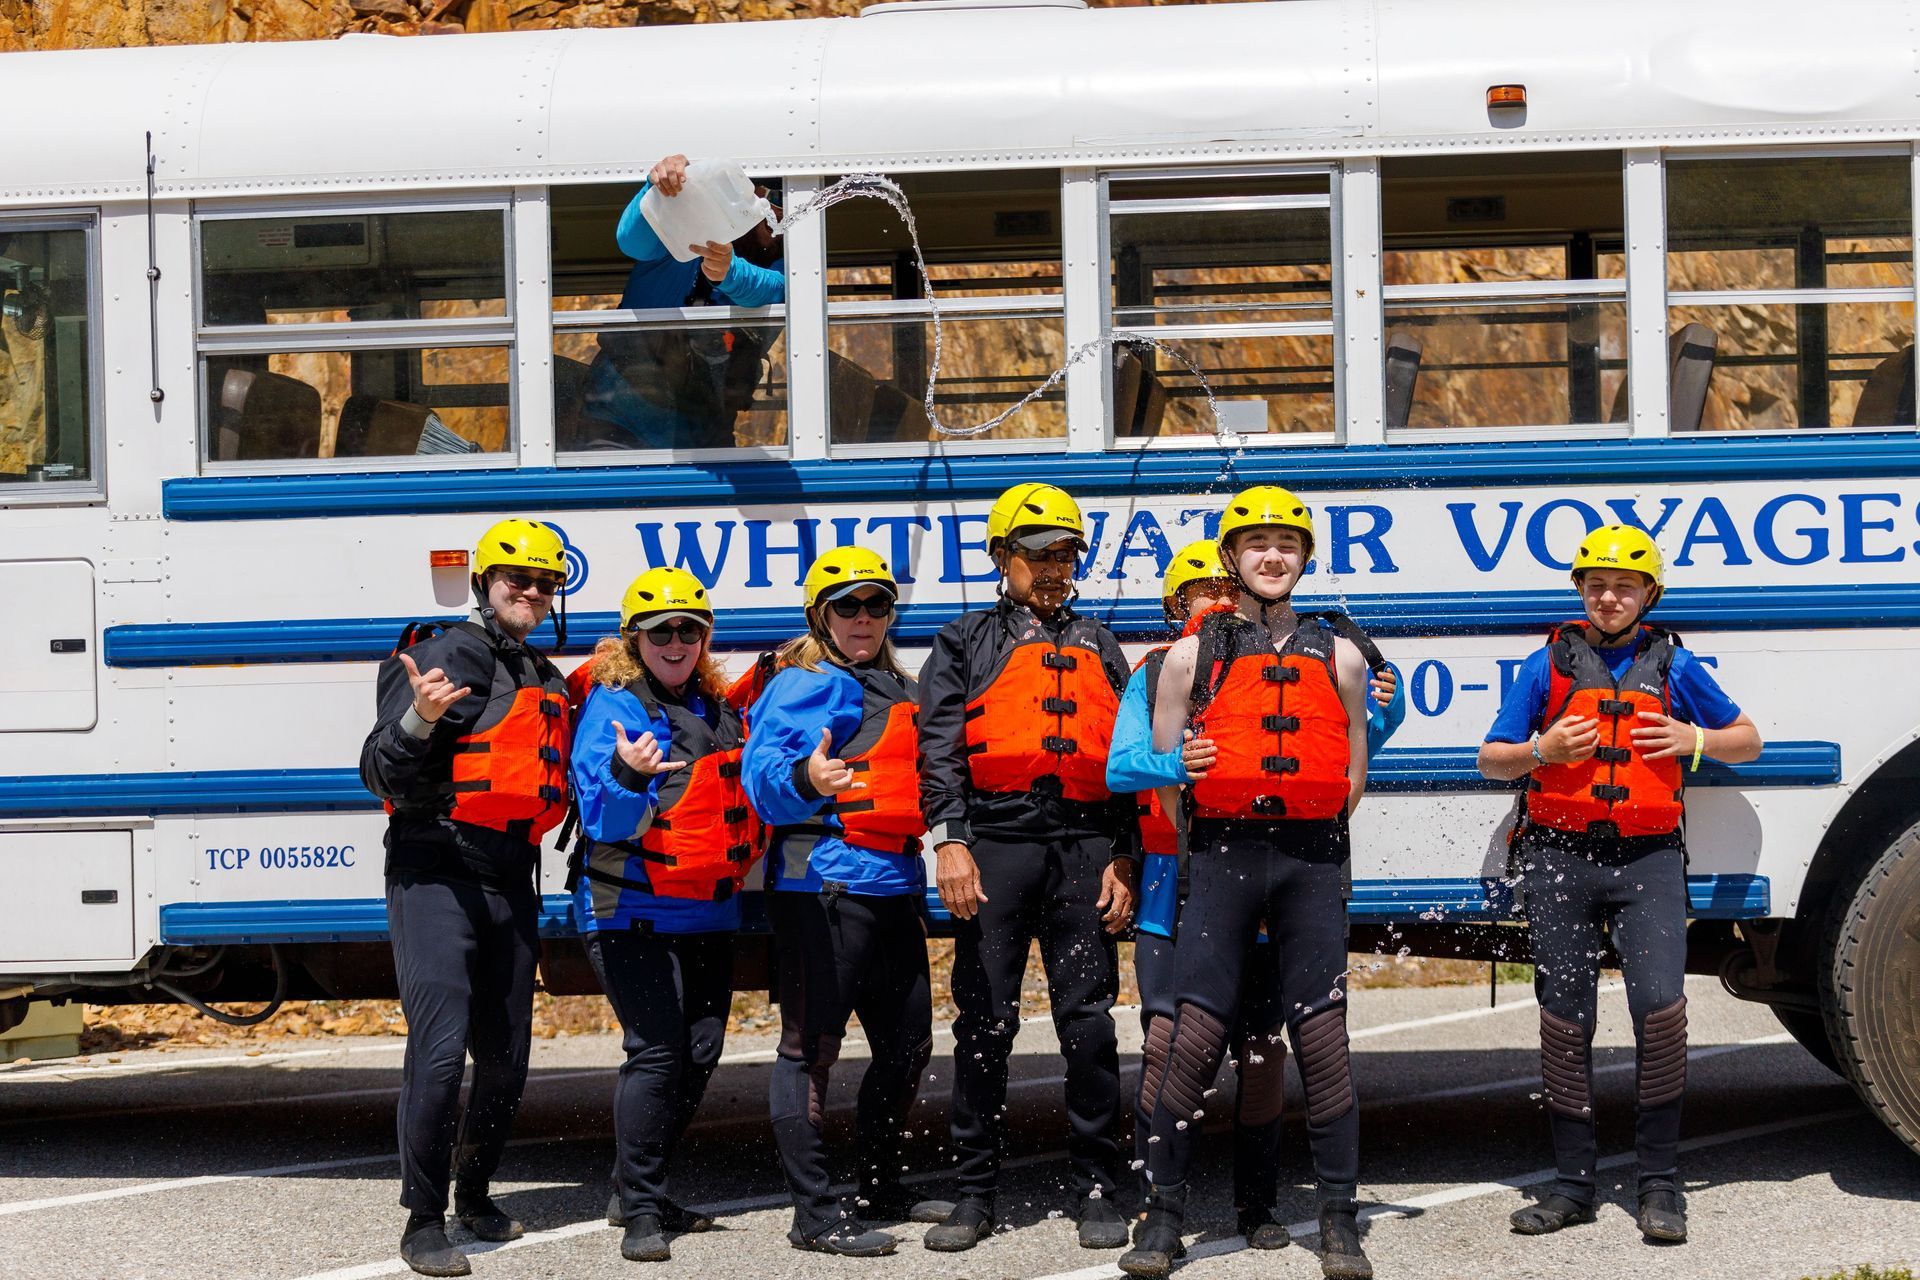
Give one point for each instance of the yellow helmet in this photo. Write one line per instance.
(660, 594)
(1619, 546)
(1195, 562)
(843, 568)
(1263, 505)
(1034, 506)
(520, 544)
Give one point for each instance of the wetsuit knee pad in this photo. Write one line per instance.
(817, 1073)
(1563, 1065)
(1153, 1066)
(1196, 1044)
(1663, 1054)
(1263, 1080)
(1325, 1072)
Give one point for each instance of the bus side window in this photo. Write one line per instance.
(649, 353)
(46, 357)
(352, 335)
(1505, 290)
(992, 246)
(1803, 268)
(1234, 273)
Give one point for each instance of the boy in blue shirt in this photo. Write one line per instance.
(1605, 721)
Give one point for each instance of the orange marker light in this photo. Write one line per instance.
(447, 559)
(1507, 95)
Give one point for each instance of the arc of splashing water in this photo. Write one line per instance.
(872, 186)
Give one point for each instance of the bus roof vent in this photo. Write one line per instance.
(951, 6)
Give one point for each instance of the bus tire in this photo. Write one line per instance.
(1868, 984)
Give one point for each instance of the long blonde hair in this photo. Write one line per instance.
(809, 651)
(616, 663)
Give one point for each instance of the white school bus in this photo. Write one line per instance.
(285, 326)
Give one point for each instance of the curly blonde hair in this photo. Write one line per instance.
(616, 663)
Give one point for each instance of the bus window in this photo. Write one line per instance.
(992, 246)
(351, 334)
(46, 365)
(1505, 290)
(648, 353)
(1236, 274)
(1802, 266)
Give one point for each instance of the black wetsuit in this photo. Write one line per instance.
(1582, 890)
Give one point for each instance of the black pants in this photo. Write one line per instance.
(1259, 1060)
(1292, 875)
(1635, 889)
(465, 958)
(672, 994)
(840, 955)
(1044, 891)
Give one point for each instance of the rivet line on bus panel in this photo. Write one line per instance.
(873, 186)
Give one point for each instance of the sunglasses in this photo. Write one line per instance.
(527, 582)
(876, 606)
(685, 631)
(1052, 555)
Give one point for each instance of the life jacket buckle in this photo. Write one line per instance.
(1059, 706)
(729, 769)
(551, 707)
(1602, 791)
(1613, 755)
(555, 794)
(1280, 764)
(738, 813)
(1059, 661)
(1280, 724)
(550, 754)
(1280, 673)
(1059, 746)
(1615, 707)
(742, 852)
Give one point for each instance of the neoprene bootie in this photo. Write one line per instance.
(970, 1222)
(1662, 1216)
(1101, 1226)
(645, 1240)
(847, 1238)
(488, 1221)
(1157, 1244)
(1262, 1229)
(424, 1247)
(1341, 1257)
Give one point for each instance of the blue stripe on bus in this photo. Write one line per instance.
(1811, 455)
(1397, 769)
(1710, 897)
(1773, 608)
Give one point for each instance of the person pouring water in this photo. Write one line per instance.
(698, 236)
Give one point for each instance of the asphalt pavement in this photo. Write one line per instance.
(279, 1162)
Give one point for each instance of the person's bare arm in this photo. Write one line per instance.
(1662, 736)
(1566, 741)
(1172, 704)
(1350, 673)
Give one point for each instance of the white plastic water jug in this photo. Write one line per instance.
(716, 203)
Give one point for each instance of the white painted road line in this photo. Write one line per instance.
(1475, 1190)
(74, 1072)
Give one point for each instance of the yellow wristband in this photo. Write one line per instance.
(1699, 745)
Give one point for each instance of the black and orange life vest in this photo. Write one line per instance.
(1156, 829)
(883, 753)
(1048, 710)
(746, 691)
(704, 835)
(509, 770)
(1616, 791)
(1275, 718)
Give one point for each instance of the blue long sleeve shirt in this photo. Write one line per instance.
(659, 279)
(784, 728)
(1133, 765)
(611, 811)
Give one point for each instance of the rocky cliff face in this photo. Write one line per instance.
(90, 24)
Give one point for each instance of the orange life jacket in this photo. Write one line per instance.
(1156, 829)
(1047, 711)
(746, 691)
(704, 835)
(1616, 791)
(509, 771)
(883, 753)
(1275, 718)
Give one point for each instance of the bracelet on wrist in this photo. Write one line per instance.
(1534, 743)
(1699, 746)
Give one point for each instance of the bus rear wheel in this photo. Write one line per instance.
(1868, 986)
